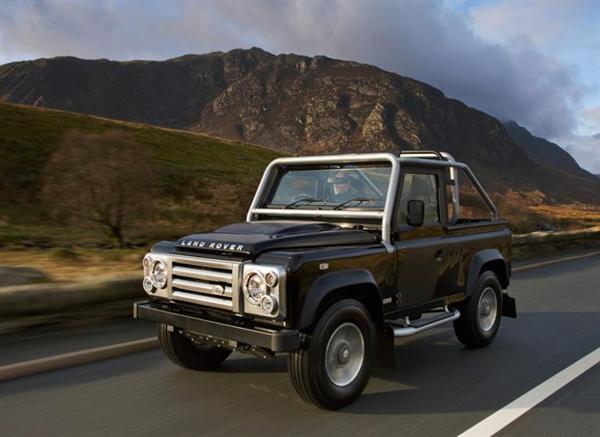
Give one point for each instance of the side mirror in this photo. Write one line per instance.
(416, 212)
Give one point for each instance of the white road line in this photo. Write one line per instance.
(523, 404)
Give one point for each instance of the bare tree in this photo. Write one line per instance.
(100, 178)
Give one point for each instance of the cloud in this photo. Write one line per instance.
(436, 42)
(586, 149)
(542, 22)
(590, 119)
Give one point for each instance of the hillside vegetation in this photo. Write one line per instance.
(200, 181)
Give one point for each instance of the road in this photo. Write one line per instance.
(438, 388)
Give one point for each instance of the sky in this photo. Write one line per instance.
(536, 62)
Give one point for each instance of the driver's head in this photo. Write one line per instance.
(341, 184)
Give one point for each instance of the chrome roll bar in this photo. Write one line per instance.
(468, 171)
(416, 157)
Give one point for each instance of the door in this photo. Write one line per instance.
(422, 252)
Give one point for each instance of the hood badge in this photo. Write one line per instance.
(212, 245)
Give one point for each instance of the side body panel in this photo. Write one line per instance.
(317, 277)
(422, 256)
(479, 244)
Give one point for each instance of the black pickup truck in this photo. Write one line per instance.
(339, 256)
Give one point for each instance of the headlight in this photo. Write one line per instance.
(255, 287)
(271, 279)
(158, 274)
(146, 263)
(148, 285)
(268, 304)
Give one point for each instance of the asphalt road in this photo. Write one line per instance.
(438, 388)
(50, 340)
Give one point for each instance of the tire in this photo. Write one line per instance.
(185, 353)
(474, 328)
(345, 333)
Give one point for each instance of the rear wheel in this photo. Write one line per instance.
(335, 368)
(480, 314)
(187, 353)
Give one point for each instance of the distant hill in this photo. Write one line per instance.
(542, 150)
(293, 104)
(201, 182)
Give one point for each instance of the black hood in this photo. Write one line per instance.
(257, 237)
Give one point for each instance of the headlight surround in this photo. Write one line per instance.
(155, 273)
(262, 287)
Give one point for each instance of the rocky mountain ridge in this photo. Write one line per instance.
(295, 104)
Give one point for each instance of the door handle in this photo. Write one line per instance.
(439, 255)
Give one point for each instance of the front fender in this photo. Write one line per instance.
(335, 284)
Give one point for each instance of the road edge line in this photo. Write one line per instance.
(70, 359)
(549, 262)
(512, 411)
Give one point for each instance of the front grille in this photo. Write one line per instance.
(205, 281)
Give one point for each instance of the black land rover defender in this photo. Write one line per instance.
(339, 255)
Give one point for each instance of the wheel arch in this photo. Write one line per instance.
(489, 259)
(358, 284)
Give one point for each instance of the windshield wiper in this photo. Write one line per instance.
(359, 200)
(303, 200)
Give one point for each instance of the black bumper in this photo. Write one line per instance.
(284, 340)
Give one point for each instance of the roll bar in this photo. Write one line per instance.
(428, 158)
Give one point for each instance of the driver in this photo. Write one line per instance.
(341, 188)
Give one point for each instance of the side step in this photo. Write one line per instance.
(405, 327)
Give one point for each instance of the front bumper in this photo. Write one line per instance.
(284, 340)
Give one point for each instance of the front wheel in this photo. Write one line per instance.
(480, 314)
(335, 368)
(187, 353)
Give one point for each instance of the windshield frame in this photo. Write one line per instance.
(273, 170)
(366, 188)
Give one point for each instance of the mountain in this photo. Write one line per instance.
(549, 154)
(542, 150)
(290, 103)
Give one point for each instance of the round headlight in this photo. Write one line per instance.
(271, 279)
(148, 285)
(255, 287)
(158, 274)
(146, 262)
(268, 304)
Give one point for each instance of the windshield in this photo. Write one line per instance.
(351, 186)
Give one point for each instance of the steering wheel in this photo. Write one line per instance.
(300, 196)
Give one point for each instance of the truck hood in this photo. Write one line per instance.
(253, 238)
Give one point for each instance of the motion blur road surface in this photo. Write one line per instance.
(438, 388)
